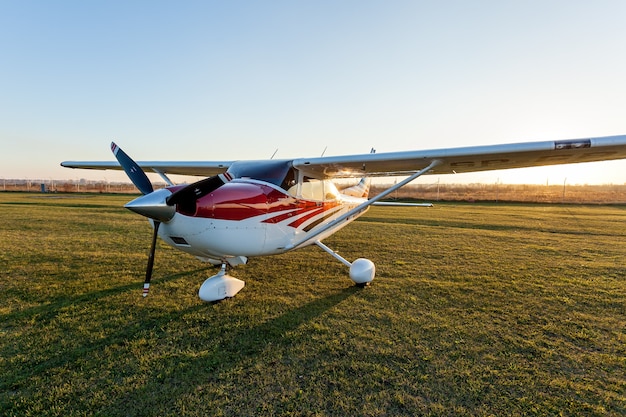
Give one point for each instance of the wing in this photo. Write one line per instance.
(452, 160)
(199, 168)
(468, 159)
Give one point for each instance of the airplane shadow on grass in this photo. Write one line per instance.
(232, 351)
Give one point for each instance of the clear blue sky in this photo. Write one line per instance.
(238, 79)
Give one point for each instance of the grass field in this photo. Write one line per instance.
(477, 309)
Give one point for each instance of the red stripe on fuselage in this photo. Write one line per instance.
(300, 207)
(303, 219)
(240, 200)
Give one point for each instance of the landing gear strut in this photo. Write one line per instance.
(362, 270)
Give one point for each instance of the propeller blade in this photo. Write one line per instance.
(146, 284)
(134, 172)
(192, 192)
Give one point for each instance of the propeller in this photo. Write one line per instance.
(134, 172)
(141, 181)
(192, 192)
(146, 283)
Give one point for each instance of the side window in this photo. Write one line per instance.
(313, 189)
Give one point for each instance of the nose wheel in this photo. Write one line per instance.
(220, 286)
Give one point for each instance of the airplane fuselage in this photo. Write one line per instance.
(250, 218)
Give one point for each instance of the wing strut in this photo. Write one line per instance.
(362, 206)
(164, 177)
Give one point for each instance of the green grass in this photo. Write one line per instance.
(476, 310)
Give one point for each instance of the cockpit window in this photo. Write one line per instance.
(282, 174)
(275, 172)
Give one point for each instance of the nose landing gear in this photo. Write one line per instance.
(220, 286)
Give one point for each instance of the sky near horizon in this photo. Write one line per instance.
(219, 80)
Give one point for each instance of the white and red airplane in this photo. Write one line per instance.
(245, 209)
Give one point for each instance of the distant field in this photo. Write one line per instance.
(555, 193)
(424, 189)
(477, 309)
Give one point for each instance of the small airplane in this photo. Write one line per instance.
(244, 209)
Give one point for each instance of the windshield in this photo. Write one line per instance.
(279, 173)
(282, 174)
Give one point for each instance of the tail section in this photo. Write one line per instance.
(362, 189)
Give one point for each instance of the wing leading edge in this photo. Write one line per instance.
(467, 159)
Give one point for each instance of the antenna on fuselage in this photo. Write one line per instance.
(274, 154)
(324, 151)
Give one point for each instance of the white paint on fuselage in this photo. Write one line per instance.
(220, 239)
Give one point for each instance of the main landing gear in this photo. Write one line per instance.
(362, 270)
